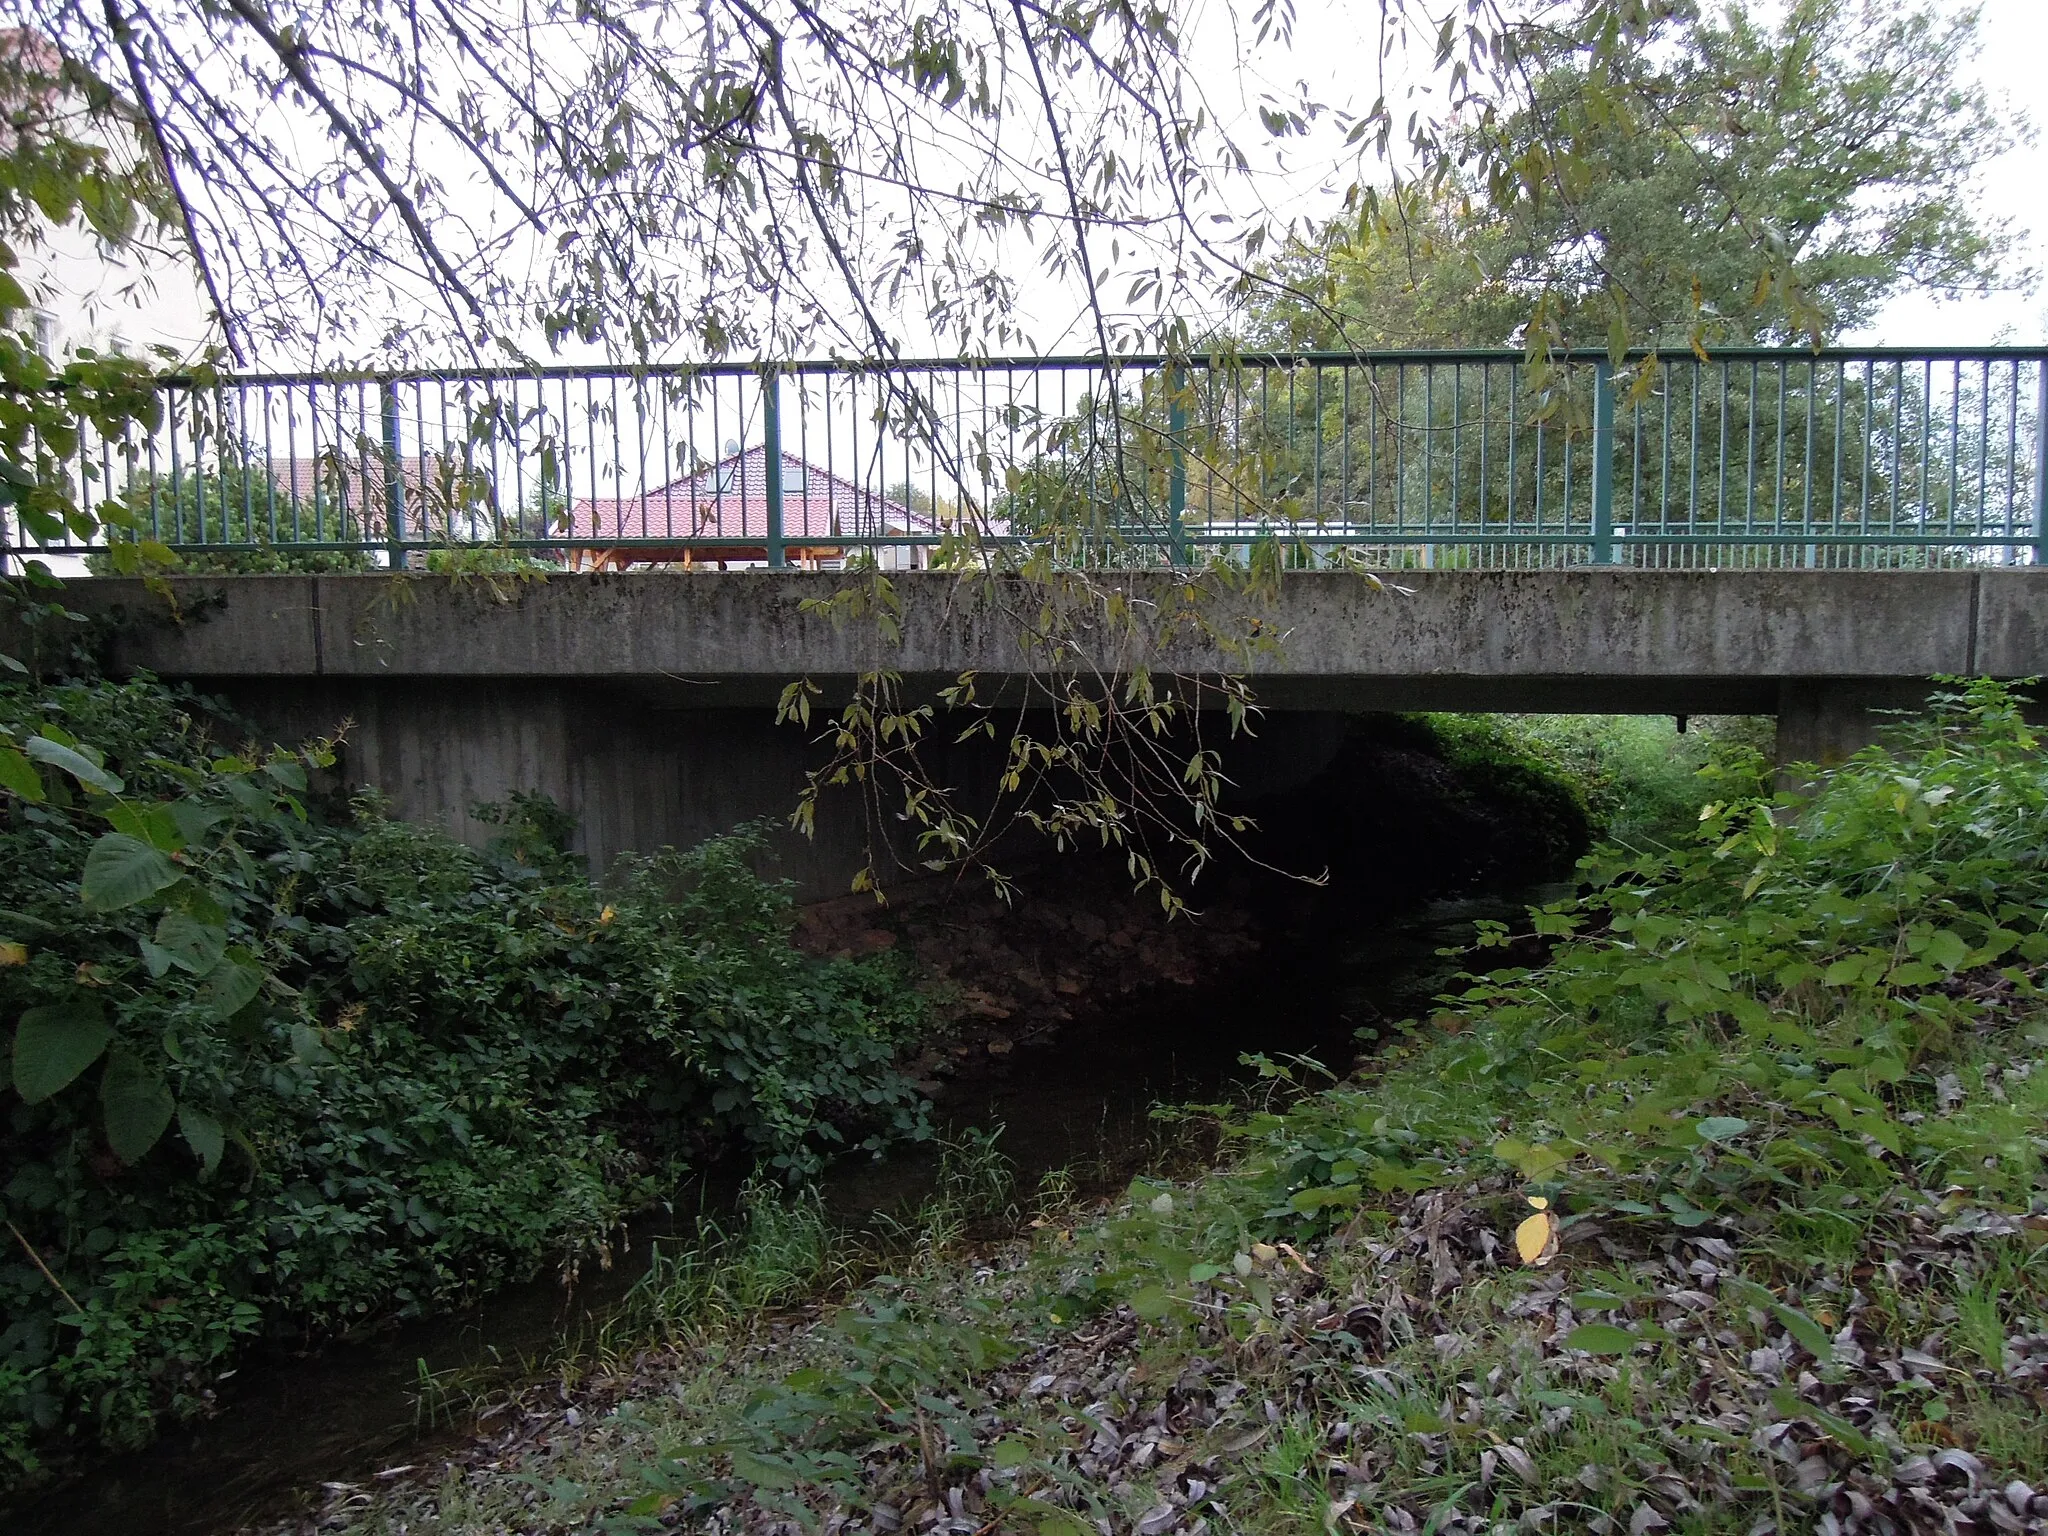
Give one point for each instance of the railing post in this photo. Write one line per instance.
(1603, 463)
(394, 479)
(771, 452)
(2041, 462)
(1177, 465)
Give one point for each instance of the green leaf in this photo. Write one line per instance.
(194, 820)
(1151, 1303)
(233, 984)
(191, 945)
(1308, 1201)
(73, 762)
(1010, 1451)
(138, 1106)
(286, 771)
(55, 1043)
(122, 870)
(1721, 1127)
(764, 1471)
(152, 824)
(19, 774)
(1946, 948)
(1845, 972)
(203, 1135)
(1810, 1335)
(1601, 1339)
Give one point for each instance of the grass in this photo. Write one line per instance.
(1156, 1363)
(1778, 1097)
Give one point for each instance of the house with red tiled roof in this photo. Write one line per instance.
(719, 515)
(347, 490)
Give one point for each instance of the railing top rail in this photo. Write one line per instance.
(1384, 357)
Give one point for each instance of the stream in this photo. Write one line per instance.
(1080, 1101)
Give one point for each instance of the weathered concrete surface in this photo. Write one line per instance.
(1648, 641)
(643, 702)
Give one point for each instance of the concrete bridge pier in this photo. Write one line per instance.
(1829, 720)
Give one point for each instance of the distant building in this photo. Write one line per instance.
(719, 515)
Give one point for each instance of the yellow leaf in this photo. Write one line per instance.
(1536, 1239)
(607, 915)
(13, 954)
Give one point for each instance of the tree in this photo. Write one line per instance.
(1732, 179)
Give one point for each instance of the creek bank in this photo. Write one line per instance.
(1065, 1018)
(1396, 820)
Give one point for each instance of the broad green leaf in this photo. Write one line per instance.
(1309, 1201)
(231, 985)
(1010, 1451)
(1946, 948)
(152, 824)
(192, 945)
(1535, 1163)
(1721, 1127)
(203, 1135)
(764, 1471)
(1601, 1339)
(73, 762)
(1810, 1335)
(1151, 1303)
(194, 820)
(286, 771)
(19, 774)
(138, 1106)
(122, 870)
(1845, 972)
(56, 1042)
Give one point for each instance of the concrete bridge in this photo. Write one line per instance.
(644, 701)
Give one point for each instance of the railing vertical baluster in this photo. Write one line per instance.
(771, 456)
(1603, 463)
(394, 487)
(2040, 459)
(1177, 462)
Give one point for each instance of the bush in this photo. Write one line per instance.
(277, 1072)
(1636, 776)
(1780, 1014)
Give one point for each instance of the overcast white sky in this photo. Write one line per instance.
(2014, 63)
(1334, 58)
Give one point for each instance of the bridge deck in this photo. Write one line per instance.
(1617, 639)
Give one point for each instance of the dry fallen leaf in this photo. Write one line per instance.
(1536, 1237)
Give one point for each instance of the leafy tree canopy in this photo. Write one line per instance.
(1725, 176)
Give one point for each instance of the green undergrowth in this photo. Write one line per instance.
(1636, 776)
(282, 1069)
(1728, 1218)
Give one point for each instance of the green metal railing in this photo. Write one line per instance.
(1872, 457)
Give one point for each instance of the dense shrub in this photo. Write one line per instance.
(1780, 1014)
(276, 1072)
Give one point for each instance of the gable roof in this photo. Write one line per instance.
(729, 500)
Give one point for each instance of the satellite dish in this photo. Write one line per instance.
(731, 447)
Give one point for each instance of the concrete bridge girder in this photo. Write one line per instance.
(643, 701)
